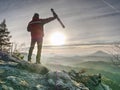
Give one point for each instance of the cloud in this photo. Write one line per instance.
(85, 20)
(103, 16)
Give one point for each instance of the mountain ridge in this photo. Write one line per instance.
(100, 53)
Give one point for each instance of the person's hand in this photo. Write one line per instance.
(55, 15)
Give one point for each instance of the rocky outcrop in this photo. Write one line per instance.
(22, 64)
(21, 75)
(61, 81)
(32, 67)
(93, 82)
(12, 78)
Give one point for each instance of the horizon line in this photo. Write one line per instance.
(82, 44)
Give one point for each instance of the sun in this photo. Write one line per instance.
(57, 38)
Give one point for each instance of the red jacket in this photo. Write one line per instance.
(36, 27)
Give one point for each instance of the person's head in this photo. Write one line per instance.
(36, 16)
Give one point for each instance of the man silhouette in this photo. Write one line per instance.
(35, 27)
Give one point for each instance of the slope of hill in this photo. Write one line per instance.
(98, 62)
(110, 72)
(100, 65)
(14, 78)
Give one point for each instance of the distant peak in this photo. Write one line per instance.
(100, 53)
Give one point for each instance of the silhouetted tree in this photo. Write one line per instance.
(4, 37)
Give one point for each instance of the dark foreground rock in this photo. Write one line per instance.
(32, 67)
(21, 75)
(12, 78)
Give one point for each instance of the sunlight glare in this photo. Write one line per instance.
(57, 38)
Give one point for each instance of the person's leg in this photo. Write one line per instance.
(39, 47)
(31, 50)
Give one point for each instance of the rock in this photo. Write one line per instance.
(24, 83)
(21, 77)
(13, 79)
(36, 68)
(32, 67)
(4, 56)
(4, 87)
(102, 87)
(51, 81)
(93, 82)
(58, 75)
(40, 87)
(61, 81)
(1, 82)
(17, 81)
(10, 88)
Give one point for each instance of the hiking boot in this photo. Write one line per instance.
(29, 61)
(38, 62)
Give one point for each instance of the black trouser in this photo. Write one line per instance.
(39, 49)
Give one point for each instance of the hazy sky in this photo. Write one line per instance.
(86, 21)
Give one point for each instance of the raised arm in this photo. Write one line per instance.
(47, 20)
